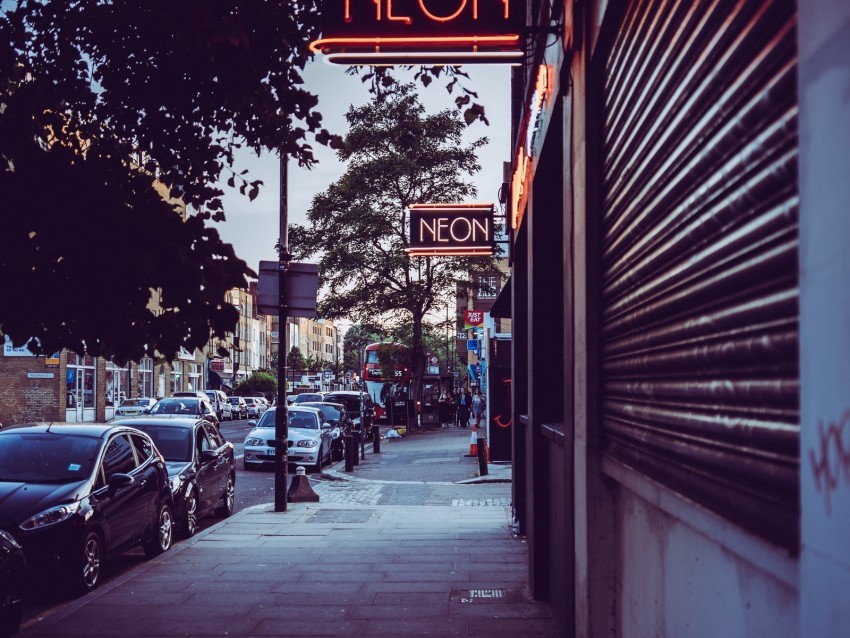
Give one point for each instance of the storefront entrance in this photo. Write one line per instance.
(80, 378)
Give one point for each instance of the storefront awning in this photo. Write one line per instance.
(501, 308)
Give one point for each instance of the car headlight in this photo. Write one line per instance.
(307, 443)
(252, 440)
(51, 516)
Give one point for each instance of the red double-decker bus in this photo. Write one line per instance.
(387, 373)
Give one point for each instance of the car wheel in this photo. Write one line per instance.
(85, 574)
(162, 534)
(12, 600)
(190, 518)
(228, 499)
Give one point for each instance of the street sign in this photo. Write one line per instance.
(302, 285)
(472, 345)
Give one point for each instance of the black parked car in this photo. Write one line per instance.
(73, 494)
(201, 466)
(13, 573)
(352, 400)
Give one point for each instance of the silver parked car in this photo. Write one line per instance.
(309, 442)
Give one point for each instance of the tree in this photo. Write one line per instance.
(295, 360)
(87, 86)
(397, 155)
(260, 383)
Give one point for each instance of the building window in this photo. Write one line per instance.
(176, 377)
(196, 377)
(146, 377)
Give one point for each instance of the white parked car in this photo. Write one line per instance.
(220, 404)
(309, 442)
(256, 407)
(135, 407)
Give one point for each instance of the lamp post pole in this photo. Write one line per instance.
(281, 421)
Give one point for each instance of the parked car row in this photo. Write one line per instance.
(209, 402)
(73, 495)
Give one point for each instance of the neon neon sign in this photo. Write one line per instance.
(420, 31)
(451, 229)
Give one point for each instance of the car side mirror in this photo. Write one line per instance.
(118, 480)
(207, 456)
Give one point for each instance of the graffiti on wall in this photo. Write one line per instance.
(830, 459)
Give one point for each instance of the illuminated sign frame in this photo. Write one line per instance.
(527, 151)
(387, 32)
(451, 230)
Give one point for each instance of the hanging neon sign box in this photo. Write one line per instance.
(386, 32)
(530, 140)
(451, 230)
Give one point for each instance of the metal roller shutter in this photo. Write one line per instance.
(700, 376)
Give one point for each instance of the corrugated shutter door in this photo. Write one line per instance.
(700, 376)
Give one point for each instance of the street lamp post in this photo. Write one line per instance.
(281, 422)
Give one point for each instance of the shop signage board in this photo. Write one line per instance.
(473, 319)
(360, 32)
(444, 230)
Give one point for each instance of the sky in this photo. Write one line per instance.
(252, 227)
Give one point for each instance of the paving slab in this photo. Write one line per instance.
(359, 568)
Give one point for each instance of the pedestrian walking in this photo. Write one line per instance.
(478, 406)
(463, 405)
(445, 409)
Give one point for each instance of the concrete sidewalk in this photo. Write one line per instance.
(325, 569)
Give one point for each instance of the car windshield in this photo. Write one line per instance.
(175, 444)
(234, 400)
(331, 412)
(297, 419)
(182, 405)
(46, 457)
(302, 398)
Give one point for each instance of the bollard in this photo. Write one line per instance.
(482, 456)
(363, 436)
(376, 439)
(300, 491)
(356, 455)
(349, 452)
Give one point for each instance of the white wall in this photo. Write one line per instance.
(676, 581)
(824, 37)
